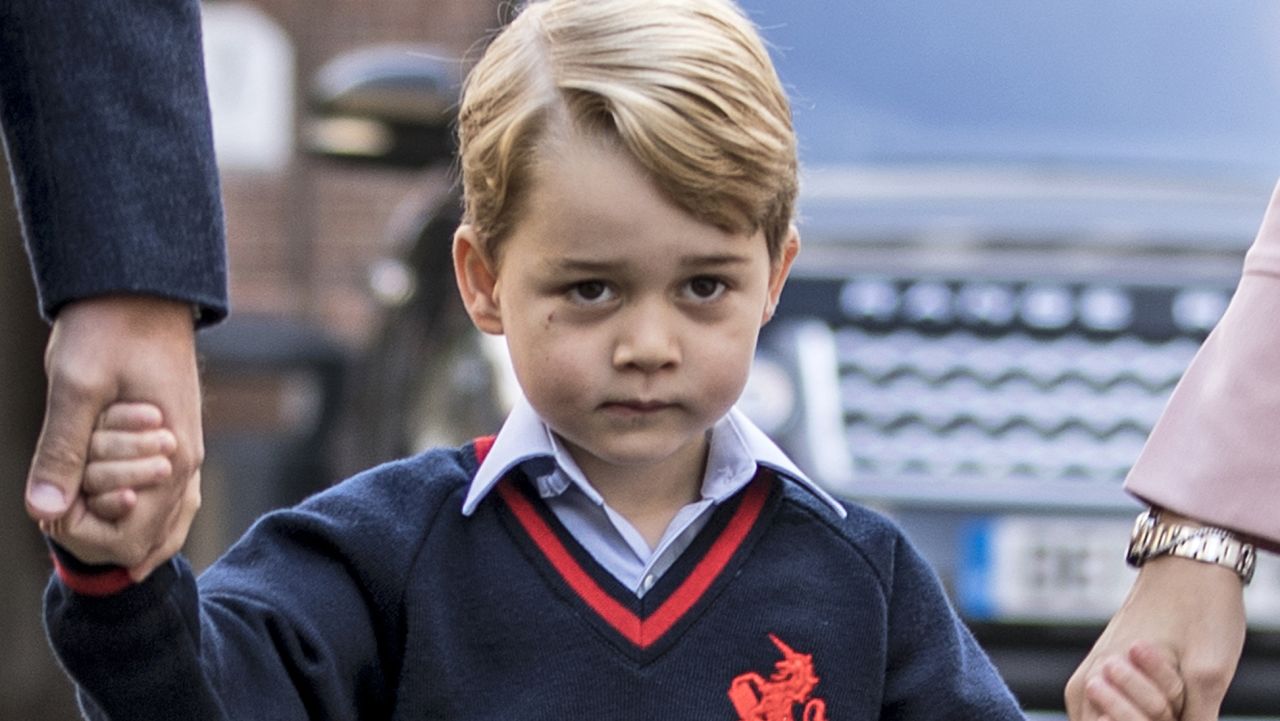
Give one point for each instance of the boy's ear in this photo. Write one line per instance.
(779, 270)
(477, 280)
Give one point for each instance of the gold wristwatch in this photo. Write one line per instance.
(1153, 537)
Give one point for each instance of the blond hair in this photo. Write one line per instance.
(685, 86)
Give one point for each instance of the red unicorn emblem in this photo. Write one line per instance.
(792, 682)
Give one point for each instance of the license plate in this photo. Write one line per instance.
(1262, 597)
(1038, 568)
(1066, 569)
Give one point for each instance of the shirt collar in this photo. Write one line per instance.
(737, 445)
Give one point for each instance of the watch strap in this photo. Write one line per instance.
(1153, 537)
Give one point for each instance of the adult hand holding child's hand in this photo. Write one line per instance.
(123, 496)
(103, 350)
(1193, 610)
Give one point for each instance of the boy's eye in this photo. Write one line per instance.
(590, 291)
(706, 287)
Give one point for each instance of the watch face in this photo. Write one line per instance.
(1248, 560)
(1140, 540)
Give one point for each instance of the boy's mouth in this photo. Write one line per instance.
(636, 406)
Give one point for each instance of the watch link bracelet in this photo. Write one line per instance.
(1154, 537)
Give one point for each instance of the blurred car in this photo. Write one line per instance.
(1019, 222)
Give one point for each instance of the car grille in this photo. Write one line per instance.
(984, 389)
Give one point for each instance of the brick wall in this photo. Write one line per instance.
(301, 242)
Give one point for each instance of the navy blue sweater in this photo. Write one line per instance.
(378, 599)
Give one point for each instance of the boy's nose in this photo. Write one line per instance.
(648, 340)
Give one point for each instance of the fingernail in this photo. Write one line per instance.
(47, 498)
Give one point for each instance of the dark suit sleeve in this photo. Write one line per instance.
(106, 123)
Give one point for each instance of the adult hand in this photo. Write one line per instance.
(1194, 610)
(119, 348)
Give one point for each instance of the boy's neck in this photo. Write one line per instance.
(648, 497)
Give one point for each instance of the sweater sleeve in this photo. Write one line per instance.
(935, 668)
(107, 127)
(301, 619)
(134, 654)
(1211, 455)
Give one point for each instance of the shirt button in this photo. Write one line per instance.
(648, 582)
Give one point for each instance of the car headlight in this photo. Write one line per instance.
(769, 398)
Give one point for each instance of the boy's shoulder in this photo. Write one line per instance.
(867, 533)
(377, 520)
(418, 486)
(858, 522)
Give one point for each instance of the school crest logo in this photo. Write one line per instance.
(775, 699)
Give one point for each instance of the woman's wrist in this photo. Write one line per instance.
(1159, 535)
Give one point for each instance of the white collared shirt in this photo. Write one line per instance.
(737, 449)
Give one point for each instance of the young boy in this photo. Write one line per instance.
(628, 546)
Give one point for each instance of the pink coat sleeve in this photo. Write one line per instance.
(1214, 455)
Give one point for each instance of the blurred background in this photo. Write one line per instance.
(1019, 222)
(304, 234)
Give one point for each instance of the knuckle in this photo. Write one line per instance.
(133, 552)
(184, 464)
(164, 553)
(197, 453)
(1205, 676)
(98, 445)
(165, 442)
(1117, 670)
(1073, 688)
(57, 455)
(92, 484)
(192, 495)
(1075, 701)
(102, 507)
(75, 379)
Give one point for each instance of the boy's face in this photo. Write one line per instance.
(631, 325)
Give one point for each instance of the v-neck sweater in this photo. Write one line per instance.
(377, 599)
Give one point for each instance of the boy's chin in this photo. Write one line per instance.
(638, 450)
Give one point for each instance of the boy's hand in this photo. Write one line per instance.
(129, 450)
(1142, 685)
(119, 517)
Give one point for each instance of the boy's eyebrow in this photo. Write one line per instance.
(586, 265)
(715, 260)
(583, 265)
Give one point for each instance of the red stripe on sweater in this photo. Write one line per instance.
(107, 583)
(705, 573)
(614, 613)
(483, 445)
(642, 633)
